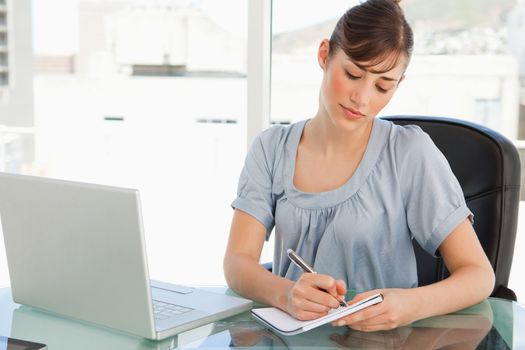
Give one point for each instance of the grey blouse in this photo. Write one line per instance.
(361, 232)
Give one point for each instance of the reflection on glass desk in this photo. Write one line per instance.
(493, 324)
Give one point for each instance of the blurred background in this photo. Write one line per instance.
(151, 94)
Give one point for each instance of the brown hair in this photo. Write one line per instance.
(373, 32)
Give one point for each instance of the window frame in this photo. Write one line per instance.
(258, 68)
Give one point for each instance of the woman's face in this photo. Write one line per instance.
(351, 95)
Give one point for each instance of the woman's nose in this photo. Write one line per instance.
(361, 96)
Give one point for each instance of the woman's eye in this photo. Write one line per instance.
(350, 76)
(381, 90)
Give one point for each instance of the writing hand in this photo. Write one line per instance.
(313, 295)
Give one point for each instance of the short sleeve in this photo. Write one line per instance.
(254, 192)
(432, 195)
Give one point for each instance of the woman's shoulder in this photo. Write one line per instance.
(275, 137)
(411, 147)
(409, 138)
(278, 131)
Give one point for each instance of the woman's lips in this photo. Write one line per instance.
(352, 113)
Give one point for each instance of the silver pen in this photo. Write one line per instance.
(304, 265)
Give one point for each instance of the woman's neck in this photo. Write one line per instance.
(321, 134)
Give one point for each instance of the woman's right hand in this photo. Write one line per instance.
(313, 295)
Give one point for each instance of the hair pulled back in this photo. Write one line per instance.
(373, 32)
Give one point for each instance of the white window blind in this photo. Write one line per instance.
(4, 67)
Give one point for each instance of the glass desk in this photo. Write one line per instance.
(493, 324)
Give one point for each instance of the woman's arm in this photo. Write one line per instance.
(311, 297)
(471, 276)
(471, 280)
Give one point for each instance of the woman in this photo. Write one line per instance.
(348, 192)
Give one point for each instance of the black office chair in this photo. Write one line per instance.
(488, 168)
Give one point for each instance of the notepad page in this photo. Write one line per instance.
(285, 323)
(342, 312)
(279, 319)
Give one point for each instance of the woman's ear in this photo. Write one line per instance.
(322, 53)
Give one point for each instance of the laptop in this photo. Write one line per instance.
(77, 249)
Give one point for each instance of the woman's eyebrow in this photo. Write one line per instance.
(364, 69)
(387, 78)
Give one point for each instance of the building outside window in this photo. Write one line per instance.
(148, 95)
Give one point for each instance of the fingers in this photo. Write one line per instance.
(372, 313)
(313, 295)
(304, 305)
(324, 282)
(323, 289)
(391, 313)
(314, 306)
(365, 315)
(364, 295)
(308, 310)
(383, 321)
(341, 290)
(340, 287)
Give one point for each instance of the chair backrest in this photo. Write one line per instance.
(488, 168)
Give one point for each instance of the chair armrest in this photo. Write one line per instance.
(504, 293)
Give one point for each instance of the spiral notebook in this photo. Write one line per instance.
(285, 324)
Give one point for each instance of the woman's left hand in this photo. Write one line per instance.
(397, 309)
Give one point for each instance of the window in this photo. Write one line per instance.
(147, 95)
(468, 61)
(296, 75)
(488, 111)
(463, 54)
(4, 72)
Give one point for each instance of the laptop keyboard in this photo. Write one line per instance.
(162, 310)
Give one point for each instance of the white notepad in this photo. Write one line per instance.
(285, 324)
